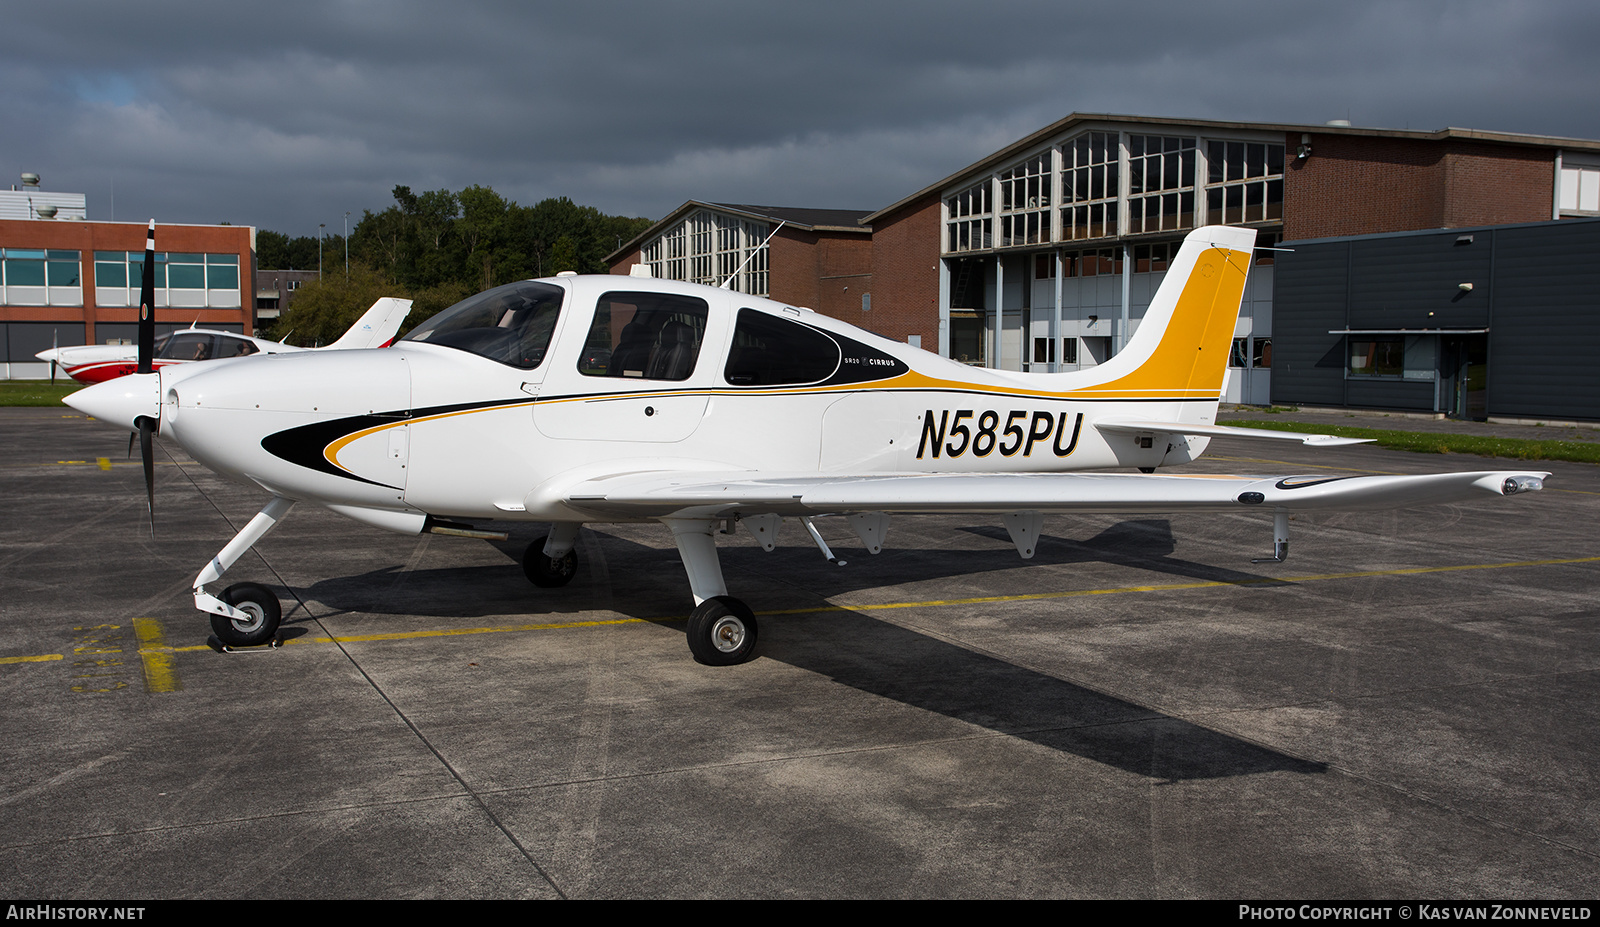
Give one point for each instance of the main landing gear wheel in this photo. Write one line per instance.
(547, 572)
(262, 609)
(722, 631)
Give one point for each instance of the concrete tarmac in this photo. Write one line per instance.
(1403, 710)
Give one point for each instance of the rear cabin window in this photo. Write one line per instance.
(769, 351)
(652, 336)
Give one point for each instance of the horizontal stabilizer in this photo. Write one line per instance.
(1135, 427)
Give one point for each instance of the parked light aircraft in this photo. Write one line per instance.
(96, 363)
(606, 398)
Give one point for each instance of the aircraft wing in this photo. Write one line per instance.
(1135, 427)
(693, 494)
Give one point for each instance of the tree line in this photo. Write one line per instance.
(436, 248)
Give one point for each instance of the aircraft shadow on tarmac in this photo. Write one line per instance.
(857, 650)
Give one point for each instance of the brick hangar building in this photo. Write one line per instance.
(1043, 255)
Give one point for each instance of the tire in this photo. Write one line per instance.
(545, 572)
(722, 632)
(260, 604)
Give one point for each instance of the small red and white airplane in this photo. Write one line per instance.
(96, 363)
(605, 398)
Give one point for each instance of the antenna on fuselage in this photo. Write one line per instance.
(740, 269)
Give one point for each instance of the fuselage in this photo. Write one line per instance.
(97, 363)
(455, 425)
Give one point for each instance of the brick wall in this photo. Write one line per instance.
(1497, 184)
(623, 264)
(905, 273)
(1355, 185)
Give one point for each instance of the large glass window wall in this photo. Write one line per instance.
(709, 247)
(1105, 185)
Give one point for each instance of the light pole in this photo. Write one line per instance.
(320, 227)
(347, 244)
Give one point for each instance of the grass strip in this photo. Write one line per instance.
(36, 392)
(1438, 443)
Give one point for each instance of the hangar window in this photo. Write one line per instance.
(709, 247)
(1580, 187)
(1025, 203)
(511, 324)
(1244, 182)
(769, 351)
(1377, 357)
(652, 336)
(1161, 183)
(1251, 352)
(971, 219)
(1092, 263)
(1089, 186)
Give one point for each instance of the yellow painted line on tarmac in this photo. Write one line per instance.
(104, 462)
(151, 635)
(160, 671)
(455, 632)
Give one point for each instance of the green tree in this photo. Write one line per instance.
(323, 310)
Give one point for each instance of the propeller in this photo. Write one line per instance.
(134, 400)
(55, 345)
(147, 351)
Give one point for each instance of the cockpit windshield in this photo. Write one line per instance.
(511, 324)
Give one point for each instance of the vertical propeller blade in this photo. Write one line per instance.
(55, 345)
(147, 305)
(147, 451)
(147, 351)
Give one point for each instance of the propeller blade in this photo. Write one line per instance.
(147, 451)
(147, 306)
(55, 344)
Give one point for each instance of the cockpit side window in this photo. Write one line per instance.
(511, 324)
(653, 336)
(769, 351)
(187, 346)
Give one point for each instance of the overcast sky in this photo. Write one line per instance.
(206, 112)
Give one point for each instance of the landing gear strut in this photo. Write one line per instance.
(722, 629)
(248, 613)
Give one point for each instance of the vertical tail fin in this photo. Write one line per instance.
(376, 328)
(1180, 350)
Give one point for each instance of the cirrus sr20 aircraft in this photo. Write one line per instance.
(607, 398)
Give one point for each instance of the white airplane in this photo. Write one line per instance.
(605, 398)
(96, 363)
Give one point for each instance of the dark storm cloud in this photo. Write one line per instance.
(200, 112)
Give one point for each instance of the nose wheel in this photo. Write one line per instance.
(260, 613)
